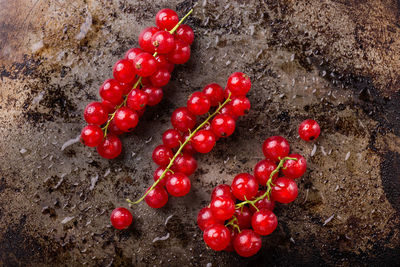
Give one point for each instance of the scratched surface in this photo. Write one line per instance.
(336, 61)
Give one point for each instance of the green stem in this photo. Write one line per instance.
(180, 22)
(188, 139)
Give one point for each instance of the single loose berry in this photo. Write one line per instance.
(91, 135)
(121, 218)
(244, 186)
(180, 54)
(264, 222)
(160, 78)
(110, 147)
(178, 184)
(185, 33)
(294, 168)
(162, 62)
(154, 95)
(240, 105)
(239, 84)
(223, 125)
(182, 119)
(172, 138)
(95, 113)
(309, 130)
(222, 190)
(145, 39)
(137, 99)
(217, 237)
(145, 64)
(166, 19)
(163, 42)
(264, 203)
(126, 119)
(162, 155)
(215, 93)
(263, 170)
(157, 174)
(203, 141)
(205, 218)
(284, 190)
(222, 207)
(243, 216)
(275, 148)
(198, 103)
(247, 243)
(123, 71)
(157, 198)
(185, 164)
(111, 91)
(132, 53)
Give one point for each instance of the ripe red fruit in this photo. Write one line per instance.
(264, 203)
(309, 130)
(166, 19)
(284, 190)
(185, 33)
(182, 119)
(157, 174)
(222, 190)
(275, 148)
(121, 218)
(180, 54)
(215, 93)
(264, 222)
(247, 243)
(108, 106)
(240, 105)
(188, 148)
(198, 103)
(110, 147)
(223, 125)
(294, 168)
(178, 184)
(222, 207)
(217, 237)
(145, 64)
(157, 197)
(205, 218)
(132, 53)
(230, 248)
(145, 39)
(203, 141)
(160, 78)
(111, 91)
(163, 42)
(154, 95)
(95, 113)
(162, 155)
(228, 110)
(127, 87)
(239, 84)
(263, 170)
(162, 62)
(113, 129)
(123, 71)
(126, 119)
(172, 138)
(185, 164)
(137, 99)
(91, 135)
(243, 215)
(244, 186)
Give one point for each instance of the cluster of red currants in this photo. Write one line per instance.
(239, 214)
(137, 83)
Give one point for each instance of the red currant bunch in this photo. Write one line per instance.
(137, 83)
(239, 214)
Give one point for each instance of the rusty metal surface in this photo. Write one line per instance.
(333, 60)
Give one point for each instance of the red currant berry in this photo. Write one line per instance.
(222, 208)
(154, 94)
(178, 184)
(157, 174)
(112, 128)
(127, 87)
(111, 91)
(188, 148)
(198, 103)
(166, 19)
(110, 147)
(240, 105)
(284, 190)
(264, 203)
(140, 112)
(263, 170)
(222, 190)
(247, 243)
(126, 119)
(243, 215)
(203, 141)
(309, 130)
(180, 54)
(162, 155)
(244, 186)
(230, 248)
(145, 39)
(294, 168)
(217, 237)
(132, 53)
(137, 99)
(215, 93)
(205, 218)
(228, 110)
(157, 198)
(264, 222)
(185, 164)
(164, 63)
(172, 138)
(163, 42)
(124, 71)
(108, 106)
(145, 64)
(182, 119)
(239, 84)
(95, 113)
(160, 78)
(185, 33)
(275, 148)
(91, 135)
(223, 125)
(121, 218)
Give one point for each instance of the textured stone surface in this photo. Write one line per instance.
(336, 61)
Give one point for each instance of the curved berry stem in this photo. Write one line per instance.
(167, 169)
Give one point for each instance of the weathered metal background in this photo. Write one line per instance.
(333, 60)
